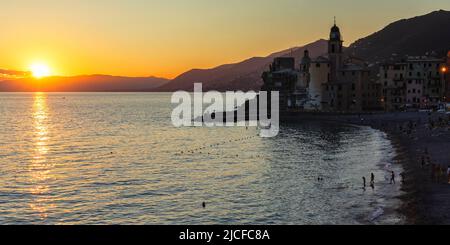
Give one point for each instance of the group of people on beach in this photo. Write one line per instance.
(372, 180)
(439, 173)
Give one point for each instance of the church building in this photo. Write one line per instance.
(331, 82)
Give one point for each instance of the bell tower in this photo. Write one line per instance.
(335, 51)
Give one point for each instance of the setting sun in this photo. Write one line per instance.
(40, 70)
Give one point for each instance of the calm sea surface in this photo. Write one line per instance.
(115, 158)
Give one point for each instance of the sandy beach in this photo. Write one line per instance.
(423, 144)
(422, 141)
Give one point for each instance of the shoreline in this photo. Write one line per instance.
(426, 198)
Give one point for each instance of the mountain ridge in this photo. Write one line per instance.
(82, 83)
(244, 75)
(414, 36)
(420, 35)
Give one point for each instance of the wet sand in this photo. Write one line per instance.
(427, 199)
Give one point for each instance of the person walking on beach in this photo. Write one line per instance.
(433, 172)
(392, 178)
(441, 173)
(448, 174)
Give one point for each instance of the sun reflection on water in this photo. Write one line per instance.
(40, 168)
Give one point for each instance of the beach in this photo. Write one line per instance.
(428, 193)
(416, 136)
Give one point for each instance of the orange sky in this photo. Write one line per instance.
(166, 38)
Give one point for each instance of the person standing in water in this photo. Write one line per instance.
(364, 182)
(392, 177)
(372, 181)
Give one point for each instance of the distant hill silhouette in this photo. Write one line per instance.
(245, 75)
(88, 83)
(416, 36)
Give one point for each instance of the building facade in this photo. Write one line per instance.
(331, 82)
(286, 79)
(413, 83)
(446, 71)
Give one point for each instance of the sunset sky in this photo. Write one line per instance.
(167, 37)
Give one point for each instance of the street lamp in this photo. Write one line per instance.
(444, 70)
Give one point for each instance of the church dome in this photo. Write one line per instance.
(335, 28)
(335, 33)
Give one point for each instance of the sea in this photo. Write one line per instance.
(116, 158)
